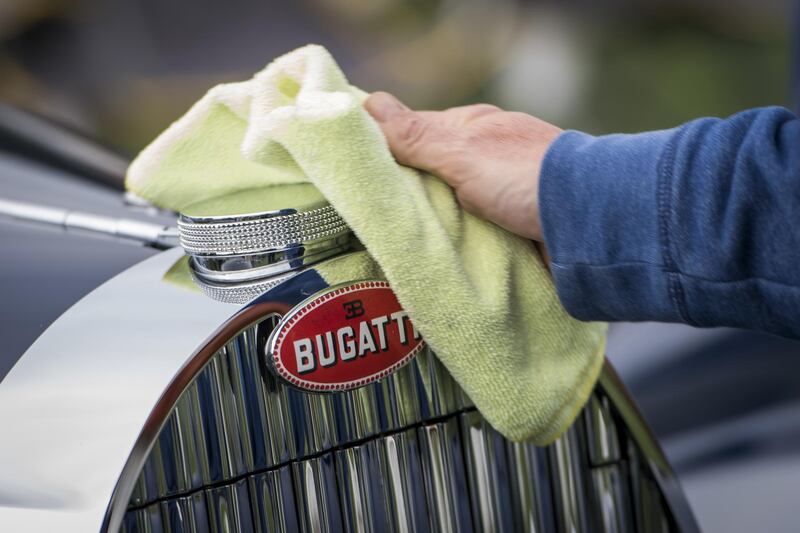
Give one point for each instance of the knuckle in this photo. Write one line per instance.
(413, 130)
(482, 109)
(470, 112)
(493, 132)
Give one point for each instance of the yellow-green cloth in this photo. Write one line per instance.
(479, 295)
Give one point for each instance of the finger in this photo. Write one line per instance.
(414, 137)
(383, 106)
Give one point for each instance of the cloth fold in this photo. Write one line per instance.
(479, 295)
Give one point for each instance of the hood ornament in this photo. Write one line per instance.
(235, 258)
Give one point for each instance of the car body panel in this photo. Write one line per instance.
(46, 268)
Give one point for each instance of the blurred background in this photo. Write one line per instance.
(725, 403)
(122, 70)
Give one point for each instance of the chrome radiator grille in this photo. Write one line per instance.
(243, 452)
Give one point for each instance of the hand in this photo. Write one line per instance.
(491, 158)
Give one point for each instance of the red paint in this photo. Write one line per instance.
(344, 338)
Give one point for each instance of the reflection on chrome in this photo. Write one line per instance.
(241, 451)
(239, 257)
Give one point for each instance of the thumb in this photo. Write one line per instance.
(413, 136)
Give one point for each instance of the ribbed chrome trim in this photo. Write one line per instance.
(238, 293)
(257, 232)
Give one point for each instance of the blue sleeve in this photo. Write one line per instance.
(699, 224)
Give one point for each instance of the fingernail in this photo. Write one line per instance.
(383, 106)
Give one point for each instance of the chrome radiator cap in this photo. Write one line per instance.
(234, 257)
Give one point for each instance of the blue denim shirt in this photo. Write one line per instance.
(698, 224)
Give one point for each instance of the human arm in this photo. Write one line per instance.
(698, 224)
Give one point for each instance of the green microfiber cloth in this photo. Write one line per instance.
(479, 295)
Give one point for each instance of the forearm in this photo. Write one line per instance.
(699, 224)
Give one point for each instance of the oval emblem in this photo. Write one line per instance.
(342, 338)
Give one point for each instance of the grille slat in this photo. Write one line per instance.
(612, 500)
(186, 514)
(272, 494)
(531, 488)
(361, 492)
(488, 469)
(569, 471)
(229, 508)
(316, 495)
(445, 477)
(401, 470)
(236, 424)
(602, 435)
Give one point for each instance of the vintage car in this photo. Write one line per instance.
(137, 393)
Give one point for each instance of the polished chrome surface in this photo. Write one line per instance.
(245, 267)
(272, 494)
(647, 500)
(649, 454)
(47, 268)
(359, 471)
(401, 471)
(316, 495)
(145, 520)
(258, 232)
(209, 439)
(602, 436)
(531, 487)
(182, 515)
(145, 232)
(239, 293)
(229, 508)
(489, 474)
(611, 499)
(235, 418)
(361, 491)
(570, 484)
(237, 258)
(445, 477)
(90, 383)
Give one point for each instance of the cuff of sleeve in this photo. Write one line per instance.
(599, 205)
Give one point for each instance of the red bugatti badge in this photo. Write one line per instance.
(342, 338)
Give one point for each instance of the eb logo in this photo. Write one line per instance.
(353, 309)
